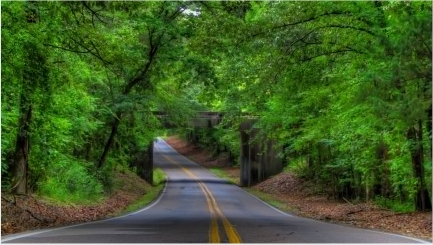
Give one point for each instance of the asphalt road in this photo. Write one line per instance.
(198, 207)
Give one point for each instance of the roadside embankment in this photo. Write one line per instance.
(29, 212)
(286, 192)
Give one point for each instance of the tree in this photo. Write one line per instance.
(338, 85)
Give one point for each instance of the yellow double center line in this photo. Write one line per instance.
(216, 213)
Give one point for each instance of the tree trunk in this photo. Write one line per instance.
(429, 127)
(133, 82)
(422, 199)
(88, 149)
(33, 73)
(110, 141)
(383, 183)
(21, 160)
(148, 165)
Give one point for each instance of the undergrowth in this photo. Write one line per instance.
(158, 176)
(395, 205)
(152, 193)
(298, 166)
(71, 183)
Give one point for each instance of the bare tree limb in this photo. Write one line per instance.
(94, 13)
(97, 54)
(315, 18)
(327, 53)
(176, 13)
(66, 49)
(427, 47)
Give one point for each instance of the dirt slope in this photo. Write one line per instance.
(291, 191)
(21, 213)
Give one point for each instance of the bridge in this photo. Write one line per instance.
(258, 160)
(202, 119)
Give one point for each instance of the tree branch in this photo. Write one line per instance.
(94, 13)
(205, 4)
(134, 81)
(427, 47)
(176, 13)
(351, 27)
(97, 55)
(168, 41)
(333, 43)
(66, 49)
(73, 13)
(312, 19)
(327, 53)
(300, 22)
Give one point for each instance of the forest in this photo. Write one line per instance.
(344, 87)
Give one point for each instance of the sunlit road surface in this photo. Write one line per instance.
(198, 207)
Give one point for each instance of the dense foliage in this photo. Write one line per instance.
(345, 88)
(79, 83)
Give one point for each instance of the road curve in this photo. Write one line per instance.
(198, 207)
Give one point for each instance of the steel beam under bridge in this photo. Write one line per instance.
(203, 119)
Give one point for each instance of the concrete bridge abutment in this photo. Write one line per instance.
(258, 157)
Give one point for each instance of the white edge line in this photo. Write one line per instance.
(365, 229)
(407, 237)
(267, 204)
(289, 215)
(25, 234)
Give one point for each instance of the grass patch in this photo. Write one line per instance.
(269, 199)
(151, 192)
(70, 184)
(158, 176)
(396, 206)
(223, 175)
(151, 195)
(298, 166)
